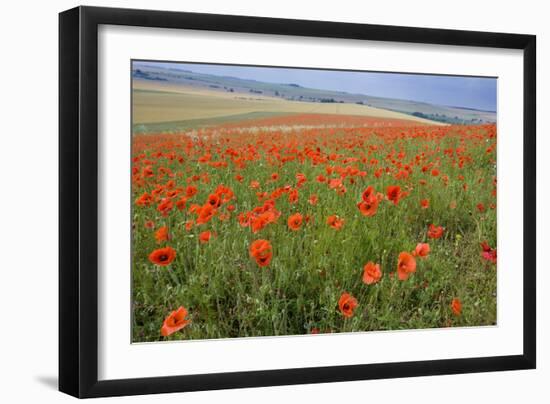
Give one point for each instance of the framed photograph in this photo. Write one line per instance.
(251, 201)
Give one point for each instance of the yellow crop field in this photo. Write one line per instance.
(155, 102)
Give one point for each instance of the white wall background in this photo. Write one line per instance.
(28, 202)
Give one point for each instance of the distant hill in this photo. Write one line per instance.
(295, 92)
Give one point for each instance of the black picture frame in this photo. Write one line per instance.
(78, 200)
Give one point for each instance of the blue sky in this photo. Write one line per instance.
(469, 92)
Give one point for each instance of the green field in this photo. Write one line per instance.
(227, 294)
(189, 124)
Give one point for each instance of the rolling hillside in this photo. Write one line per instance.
(239, 96)
(159, 104)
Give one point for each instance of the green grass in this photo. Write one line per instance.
(189, 124)
(228, 295)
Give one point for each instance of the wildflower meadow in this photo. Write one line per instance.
(312, 223)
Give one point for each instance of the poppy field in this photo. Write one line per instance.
(309, 224)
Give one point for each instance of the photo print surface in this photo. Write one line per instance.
(273, 201)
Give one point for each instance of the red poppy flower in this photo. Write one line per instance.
(162, 234)
(300, 179)
(313, 199)
(406, 265)
(257, 223)
(335, 183)
(214, 200)
(205, 236)
(488, 253)
(367, 193)
(144, 200)
(393, 193)
(422, 250)
(425, 203)
(435, 231)
(181, 203)
(368, 207)
(456, 306)
(293, 196)
(206, 213)
(172, 194)
(162, 256)
(165, 206)
(148, 172)
(371, 273)
(295, 221)
(190, 191)
(174, 322)
(347, 304)
(341, 190)
(262, 252)
(335, 222)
